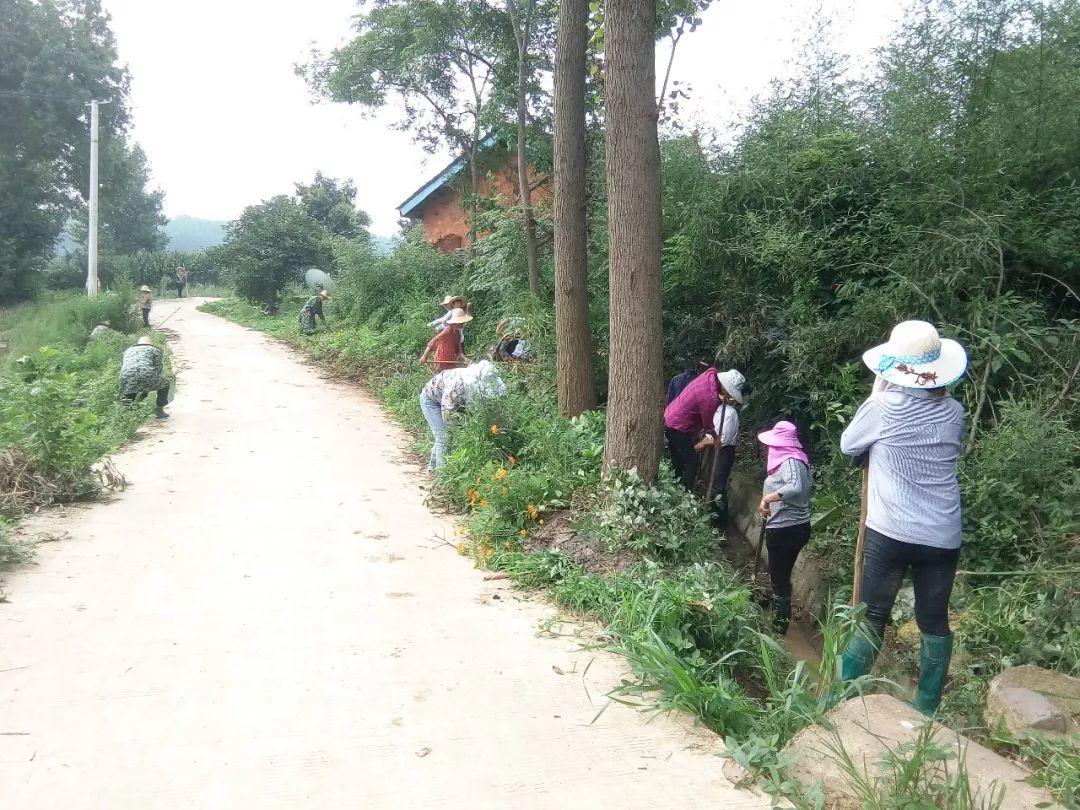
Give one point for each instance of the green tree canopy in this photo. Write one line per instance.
(332, 203)
(54, 58)
(271, 245)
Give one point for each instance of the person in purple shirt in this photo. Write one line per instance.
(690, 417)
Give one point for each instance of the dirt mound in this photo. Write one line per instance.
(558, 534)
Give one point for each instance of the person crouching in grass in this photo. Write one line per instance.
(142, 371)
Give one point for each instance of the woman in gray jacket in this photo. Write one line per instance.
(785, 508)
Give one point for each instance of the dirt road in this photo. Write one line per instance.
(268, 618)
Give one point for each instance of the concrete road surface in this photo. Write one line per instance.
(270, 617)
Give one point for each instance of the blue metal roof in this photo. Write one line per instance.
(440, 180)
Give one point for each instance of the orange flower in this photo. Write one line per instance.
(500, 474)
(487, 552)
(484, 502)
(460, 548)
(494, 430)
(523, 533)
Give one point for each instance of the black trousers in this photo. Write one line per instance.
(886, 560)
(784, 545)
(684, 458)
(146, 317)
(162, 397)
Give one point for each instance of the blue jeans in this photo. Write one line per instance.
(885, 561)
(433, 414)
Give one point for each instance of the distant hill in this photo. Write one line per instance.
(190, 234)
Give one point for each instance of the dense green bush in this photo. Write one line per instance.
(59, 404)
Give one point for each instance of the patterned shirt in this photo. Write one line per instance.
(142, 370)
(456, 388)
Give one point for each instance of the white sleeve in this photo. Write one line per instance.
(731, 424)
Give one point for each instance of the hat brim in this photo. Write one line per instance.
(947, 369)
(466, 319)
(771, 439)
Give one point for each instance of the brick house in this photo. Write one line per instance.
(438, 203)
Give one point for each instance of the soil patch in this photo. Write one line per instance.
(558, 534)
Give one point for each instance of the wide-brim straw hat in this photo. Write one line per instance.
(783, 434)
(324, 294)
(145, 340)
(733, 382)
(452, 298)
(144, 288)
(916, 356)
(460, 316)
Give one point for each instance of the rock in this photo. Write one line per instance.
(1030, 697)
(1023, 709)
(869, 727)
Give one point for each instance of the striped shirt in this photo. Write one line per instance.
(914, 441)
(792, 481)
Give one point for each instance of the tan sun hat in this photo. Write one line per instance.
(144, 288)
(324, 294)
(452, 298)
(460, 316)
(145, 340)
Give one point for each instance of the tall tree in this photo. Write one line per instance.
(635, 398)
(130, 213)
(522, 15)
(54, 58)
(436, 57)
(332, 203)
(575, 376)
(271, 245)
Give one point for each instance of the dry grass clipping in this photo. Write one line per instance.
(22, 485)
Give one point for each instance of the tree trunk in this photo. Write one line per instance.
(575, 375)
(636, 398)
(474, 186)
(524, 189)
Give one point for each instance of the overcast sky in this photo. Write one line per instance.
(226, 123)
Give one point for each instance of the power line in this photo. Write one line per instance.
(14, 94)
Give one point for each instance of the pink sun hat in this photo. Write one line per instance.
(783, 443)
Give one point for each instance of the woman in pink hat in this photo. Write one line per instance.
(785, 508)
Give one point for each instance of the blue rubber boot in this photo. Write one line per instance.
(935, 653)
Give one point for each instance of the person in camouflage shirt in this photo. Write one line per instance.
(142, 371)
(308, 312)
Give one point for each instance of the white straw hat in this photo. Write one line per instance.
(460, 316)
(916, 356)
(733, 381)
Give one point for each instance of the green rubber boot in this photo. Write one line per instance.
(860, 654)
(935, 652)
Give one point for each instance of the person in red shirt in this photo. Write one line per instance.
(447, 344)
